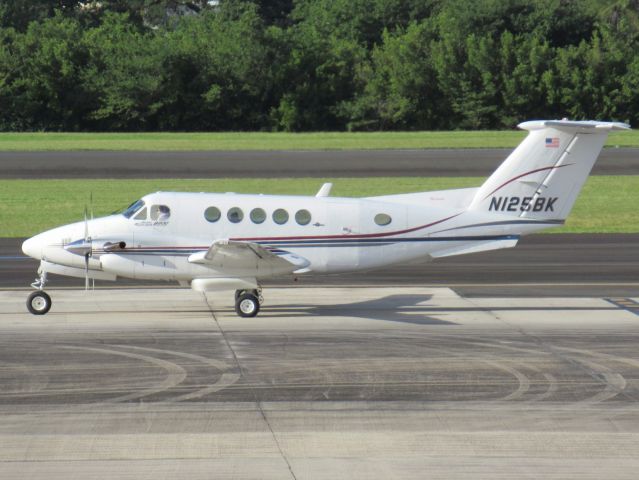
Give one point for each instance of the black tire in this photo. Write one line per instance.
(39, 303)
(240, 292)
(247, 305)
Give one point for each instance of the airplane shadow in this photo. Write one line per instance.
(393, 308)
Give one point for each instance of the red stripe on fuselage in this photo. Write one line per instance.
(523, 175)
(361, 235)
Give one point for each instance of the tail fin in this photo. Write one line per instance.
(543, 176)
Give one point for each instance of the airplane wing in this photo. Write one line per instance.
(248, 258)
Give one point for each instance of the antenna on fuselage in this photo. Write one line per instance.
(325, 191)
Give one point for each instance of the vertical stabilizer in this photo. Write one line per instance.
(543, 176)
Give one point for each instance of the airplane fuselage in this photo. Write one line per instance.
(333, 234)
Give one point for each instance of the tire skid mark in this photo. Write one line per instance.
(553, 384)
(616, 380)
(176, 374)
(553, 387)
(37, 381)
(226, 379)
(524, 381)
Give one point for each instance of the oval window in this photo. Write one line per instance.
(258, 215)
(160, 213)
(212, 214)
(235, 215)
(280, 216)
(303, 217)
(382, 219)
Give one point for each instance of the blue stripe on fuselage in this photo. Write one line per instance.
(339, 243)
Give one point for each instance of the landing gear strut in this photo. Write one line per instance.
(39, 302)
(247, 302)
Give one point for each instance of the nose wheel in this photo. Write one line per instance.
(247, 302)
(39, 303)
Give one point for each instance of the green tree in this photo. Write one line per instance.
(125, 75)
(41, 73)
(399, 86)
(218, 71)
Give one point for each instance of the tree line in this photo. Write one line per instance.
(303, 65)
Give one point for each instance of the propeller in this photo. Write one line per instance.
(87, 254)
(84, 246)
(87, 262)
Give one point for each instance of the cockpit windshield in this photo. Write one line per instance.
(134, 207)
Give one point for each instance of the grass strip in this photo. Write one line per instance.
(276, 140)
(607, 204)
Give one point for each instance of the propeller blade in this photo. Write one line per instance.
(86, 271)
(86, 225)
(91, 204)
(87, 247)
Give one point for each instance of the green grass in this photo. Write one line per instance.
(276, 141)
(607, 204)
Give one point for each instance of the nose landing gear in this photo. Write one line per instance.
(39, 302)
(247, 302)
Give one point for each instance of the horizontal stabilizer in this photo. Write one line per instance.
(587, 126)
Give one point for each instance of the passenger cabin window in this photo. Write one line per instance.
(212, 214)
(258, 215)
(280, 216)
(160, 213)
(303, 217)
(382, 219)
(141, 215)
(235, 215)
(134, 207)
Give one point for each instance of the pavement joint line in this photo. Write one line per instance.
(257, 401)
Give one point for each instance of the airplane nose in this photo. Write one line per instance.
(32, 247)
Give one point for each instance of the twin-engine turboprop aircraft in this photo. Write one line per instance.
(216, 241)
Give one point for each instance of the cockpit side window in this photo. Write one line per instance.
(160, 213)
(134, 207)
(141, 215)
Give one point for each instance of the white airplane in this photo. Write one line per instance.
(227, 241)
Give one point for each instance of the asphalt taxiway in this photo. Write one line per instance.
(370, 382)
(280, 164)
(540, 265)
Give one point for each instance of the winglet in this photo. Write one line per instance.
(325, 191)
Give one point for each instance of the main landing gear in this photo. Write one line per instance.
(39, 302)
(247, 302)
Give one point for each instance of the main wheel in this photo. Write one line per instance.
(255, 292)
(39, 303)
(247, 305)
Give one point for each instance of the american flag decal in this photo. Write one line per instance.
(552, 142)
